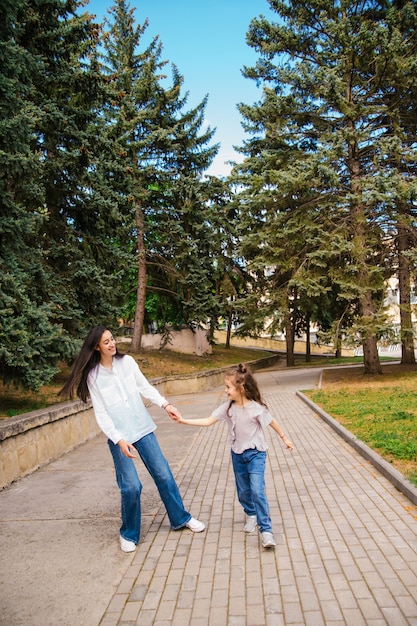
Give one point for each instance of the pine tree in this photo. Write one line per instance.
(68, 96)
(59, 276)
(158, 143)
(133, 125)
(321, 118)
(30, 341)
(398, 184)
(189, 213)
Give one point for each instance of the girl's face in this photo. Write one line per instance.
(107, 345)
(234, 393)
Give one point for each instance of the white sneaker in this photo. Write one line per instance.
(268, 540)
(251, 524)
(126, 545)
(195, 525)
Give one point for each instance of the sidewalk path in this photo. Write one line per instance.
(346, 538)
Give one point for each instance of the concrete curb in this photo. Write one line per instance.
(385, 468)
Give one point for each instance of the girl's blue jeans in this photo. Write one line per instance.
(249, 469)
(131, 487)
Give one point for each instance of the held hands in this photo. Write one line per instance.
(173, 412)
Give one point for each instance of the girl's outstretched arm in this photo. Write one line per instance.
(274, 424)
(202, 421)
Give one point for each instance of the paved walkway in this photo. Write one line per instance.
(346, 538)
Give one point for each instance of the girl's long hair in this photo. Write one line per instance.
(87, 359)
(242, 378)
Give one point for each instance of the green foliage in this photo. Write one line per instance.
(87, 143)
(162, 154)
(56, 268)
(316, 226)
(105, 212)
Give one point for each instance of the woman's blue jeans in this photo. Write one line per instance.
(249, 469)
(131, 487)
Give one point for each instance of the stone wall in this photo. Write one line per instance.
(31, 440)
(185, 341)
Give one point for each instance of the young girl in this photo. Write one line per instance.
(115, 384)
(246, 415)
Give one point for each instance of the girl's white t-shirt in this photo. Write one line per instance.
(246, 425)
(117, 402)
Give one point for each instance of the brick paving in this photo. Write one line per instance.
(346, 549)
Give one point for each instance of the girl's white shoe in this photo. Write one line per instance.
(251, 524)
(268, 540)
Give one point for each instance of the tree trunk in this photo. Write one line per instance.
(308, 344)
(407, 334)
(212, 327)
(229, 327)
(371, 360)
(370, 356)
(141, 288)
(359, 241)
(289, 338)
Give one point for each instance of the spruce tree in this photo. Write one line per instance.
(316, 138)
(397, 185)
(132, 121)
(188, 212)
(69, 98)
(30, 340)
(60, 278)
(161, 160)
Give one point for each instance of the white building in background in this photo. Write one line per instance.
(392, 303)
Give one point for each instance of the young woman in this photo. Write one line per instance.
(246, 416)
(115, 385)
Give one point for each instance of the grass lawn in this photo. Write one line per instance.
(380, 410)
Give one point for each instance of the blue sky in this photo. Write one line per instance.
(206, 41)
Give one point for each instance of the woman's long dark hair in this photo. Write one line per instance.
(241, 377)
(87, 359)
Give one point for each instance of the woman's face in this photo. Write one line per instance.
(107, 345)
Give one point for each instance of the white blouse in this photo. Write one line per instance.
(117, 402)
